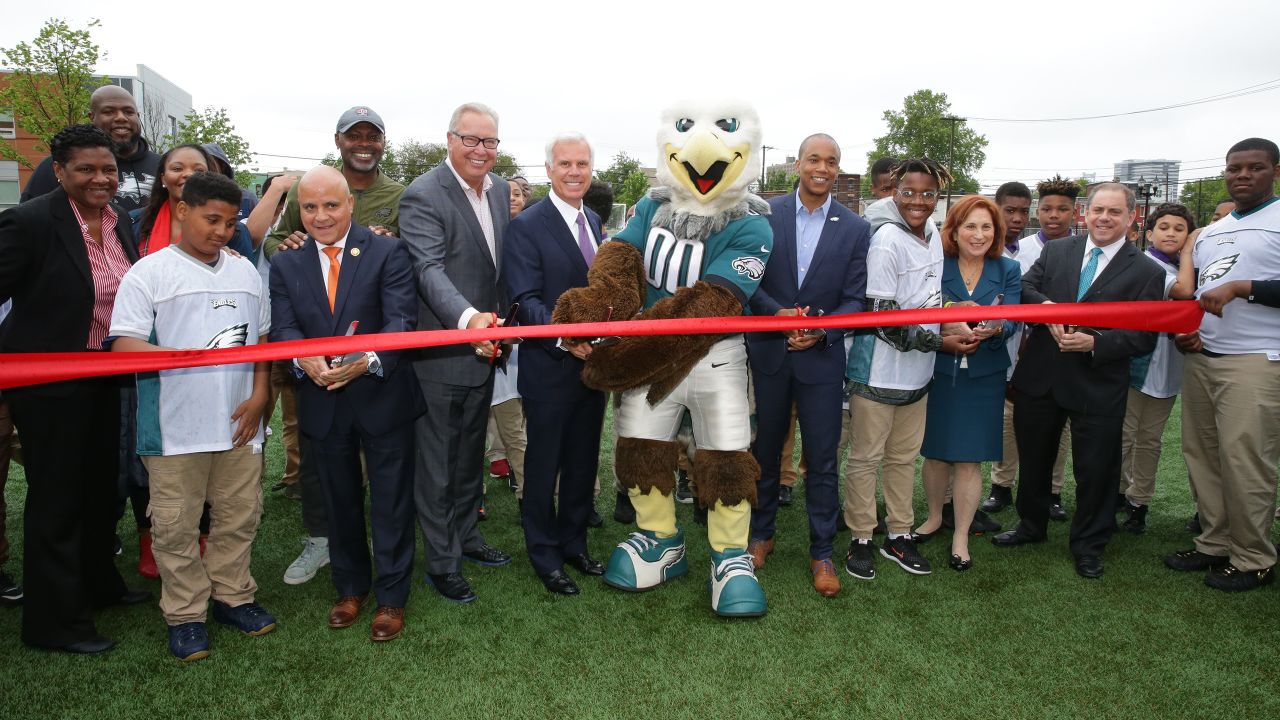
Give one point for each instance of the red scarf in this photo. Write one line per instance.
(159, 237)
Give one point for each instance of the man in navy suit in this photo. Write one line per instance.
(548, 250)
(347, 279)
(819, 263)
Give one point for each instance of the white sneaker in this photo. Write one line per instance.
(315, 555)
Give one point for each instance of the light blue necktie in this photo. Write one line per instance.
(1086, 275)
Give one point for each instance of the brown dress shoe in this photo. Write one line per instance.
(345, 611)
(387, 623)
(759, 550)
(825, 580)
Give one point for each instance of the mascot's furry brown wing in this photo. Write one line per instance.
(697, 247)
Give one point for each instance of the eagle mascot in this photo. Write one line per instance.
(697, 247)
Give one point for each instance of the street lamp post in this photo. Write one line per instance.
(1145, 191)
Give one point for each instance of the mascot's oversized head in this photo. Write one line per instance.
(708, 154)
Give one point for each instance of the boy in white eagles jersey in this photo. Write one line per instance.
(1231, 386)
(200, 429)
(1155, 379)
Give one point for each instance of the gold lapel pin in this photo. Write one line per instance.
(355, 252)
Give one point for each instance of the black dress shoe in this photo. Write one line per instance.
(983, 524)
(594, 520)
(955, 563)
(130, 597)
(487, 555)
(452, 586)
(585, 564)
(1089, 566)
(92, 646)
(557, 581)
(784, 495)
(920, 537)
(1014, 538)
(623, 511)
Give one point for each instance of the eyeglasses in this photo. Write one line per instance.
(926, 195)
(472, 141)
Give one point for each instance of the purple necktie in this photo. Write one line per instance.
(587, 247)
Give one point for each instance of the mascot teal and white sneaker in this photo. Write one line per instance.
(644, 561)
(735, 591)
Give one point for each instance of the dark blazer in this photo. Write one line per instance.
(542, 260)
(376, 288)
(453, 267)
(45, 270)
(1093, 382)
(835, 283)
(999, 276)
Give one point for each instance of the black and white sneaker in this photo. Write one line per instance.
(860, 562)
(903, 551)
(10, 590)
(684, 494)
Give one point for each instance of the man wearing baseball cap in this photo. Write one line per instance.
(361, 139)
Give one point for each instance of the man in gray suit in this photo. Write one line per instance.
(452, 219)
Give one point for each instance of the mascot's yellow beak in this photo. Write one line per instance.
(705, 165)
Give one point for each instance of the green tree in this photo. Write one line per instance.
(628, 181)
(1202, 196)
(213, 126)
(920, 129)
(51, 82)
(778, 179)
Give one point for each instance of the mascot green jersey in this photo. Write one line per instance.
(697, 247)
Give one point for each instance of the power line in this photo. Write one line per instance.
(1240, 92)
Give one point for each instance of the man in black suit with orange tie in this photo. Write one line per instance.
(548, 250)
(1080, 374)
(345, 279)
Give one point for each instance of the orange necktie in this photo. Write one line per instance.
(334, 268)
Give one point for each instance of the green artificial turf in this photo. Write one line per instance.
(1018, 636)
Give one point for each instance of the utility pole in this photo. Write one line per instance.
(951, 152)
(764, 165)
(1199, 196)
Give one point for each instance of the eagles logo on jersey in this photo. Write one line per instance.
(752, 267)
(1218, 268)
(232, 336)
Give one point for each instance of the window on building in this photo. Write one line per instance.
(173, 126)
(9, 190)
(8, 129)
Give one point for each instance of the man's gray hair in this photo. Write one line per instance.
(471, 107)
(1130, 199)
(570, 137)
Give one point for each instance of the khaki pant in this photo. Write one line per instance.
(1144, 421)
(888, 436)
(506, 420)
(1005, 472)
(180, 486)
(1231, 442)
(282, 389)
(787, 475)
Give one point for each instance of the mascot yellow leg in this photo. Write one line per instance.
(727, 488)
(647, 471)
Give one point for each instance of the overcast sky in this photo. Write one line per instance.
(607, 69)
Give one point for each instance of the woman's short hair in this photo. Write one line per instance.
(959, 213)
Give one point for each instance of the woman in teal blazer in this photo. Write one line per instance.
(964, 420)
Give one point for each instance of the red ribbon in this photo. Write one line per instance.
(18, 369)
